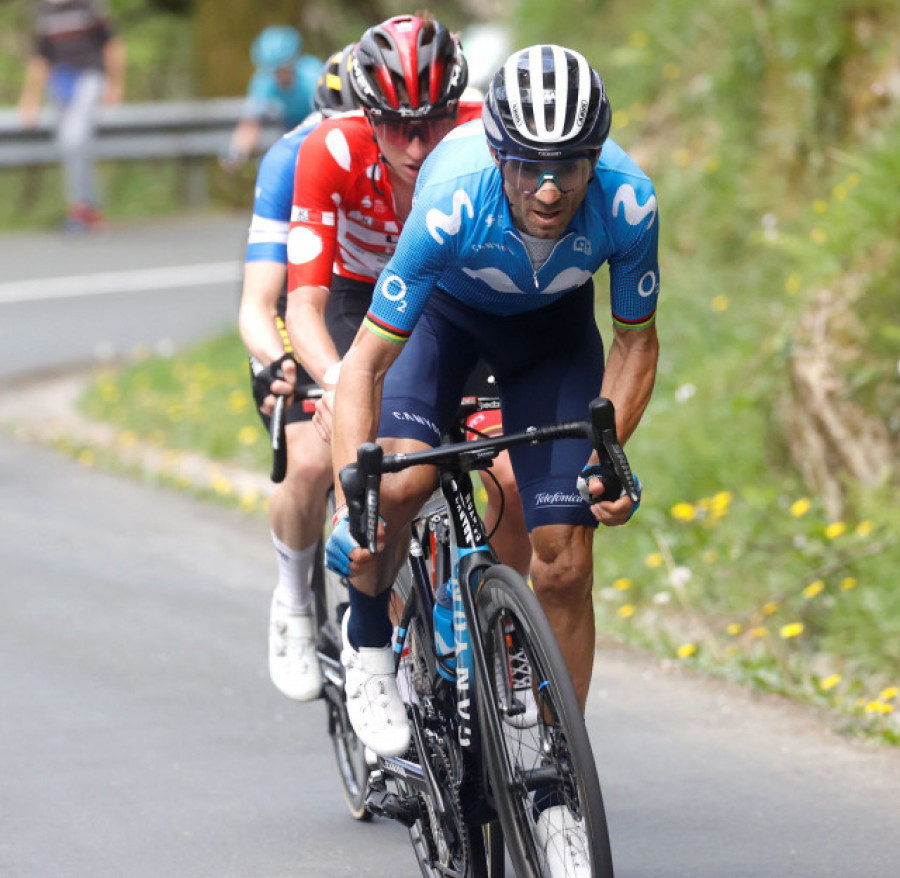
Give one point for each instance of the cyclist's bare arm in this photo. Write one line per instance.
(630, 375)
(308, 332)
(628, 382)
(358, 398)
(257, 316)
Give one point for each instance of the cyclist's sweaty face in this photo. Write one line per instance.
(543, 196)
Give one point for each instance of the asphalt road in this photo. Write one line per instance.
(71, 301)
(140, 736)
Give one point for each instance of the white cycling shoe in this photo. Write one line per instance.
(293, 665)
(374, 705)
(564, 840)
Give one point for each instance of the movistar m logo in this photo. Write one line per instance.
(635, 213)
(437, 221)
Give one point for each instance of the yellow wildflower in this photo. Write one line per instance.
(720, 303)
(87, 457)
(848, 583)
(248, 435)
(864, 528)
(626, 611)
(818, 236)
(220, 484)
(889, 694)
(793, 284)
(734, 629)
(835, 529)
(654, 559)
(829, 682)
(820, 206)
(769, 608)
(879, 707)
(800, 507)
(623, 583)
(683, 511)
(792, 630)
(813, 589)
(686, 650)
(759, 631)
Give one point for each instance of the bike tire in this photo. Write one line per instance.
(331, 600)
(553, 753)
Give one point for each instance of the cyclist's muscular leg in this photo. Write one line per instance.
(297, 506)
(562, 574)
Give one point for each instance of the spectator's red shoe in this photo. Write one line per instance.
(84, 218)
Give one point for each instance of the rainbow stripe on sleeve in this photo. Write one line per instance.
(385, 330)
(635, 323)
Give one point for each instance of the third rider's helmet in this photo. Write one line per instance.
(546, 102)
(334, 93)
(408, 67)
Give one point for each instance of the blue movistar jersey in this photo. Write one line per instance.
(460, 237)
(267, 240)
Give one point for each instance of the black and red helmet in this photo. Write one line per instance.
(408, 67)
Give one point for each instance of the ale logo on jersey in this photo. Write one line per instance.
(437, 221)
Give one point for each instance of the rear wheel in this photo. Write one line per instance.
(331, 601)
(541, 757)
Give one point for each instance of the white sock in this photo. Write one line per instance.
(295, 566)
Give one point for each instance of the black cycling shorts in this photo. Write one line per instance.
(549, 366)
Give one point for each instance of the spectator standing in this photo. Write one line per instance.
(79, 59)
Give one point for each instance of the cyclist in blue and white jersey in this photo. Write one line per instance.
(297, 505)
(511, 220)
(283, 85)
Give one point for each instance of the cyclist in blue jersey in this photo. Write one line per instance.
(512, 217)
(283, 85)
(297, 505)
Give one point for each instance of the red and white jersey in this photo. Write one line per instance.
(342, 218)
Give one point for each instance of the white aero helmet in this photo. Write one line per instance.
(546, 102)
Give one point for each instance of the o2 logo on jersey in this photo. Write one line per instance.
(635, 214)
(437, 221)
(394, 290)
(647, 284)
(582, 245)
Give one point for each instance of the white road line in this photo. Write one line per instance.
(120, 282)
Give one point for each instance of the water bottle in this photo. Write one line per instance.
(444, 643)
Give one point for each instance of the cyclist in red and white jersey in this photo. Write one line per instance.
(408, 75)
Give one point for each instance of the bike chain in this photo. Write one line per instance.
(438, 747)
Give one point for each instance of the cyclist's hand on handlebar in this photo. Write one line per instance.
(323, 419)
(279, 378)
(610, 505)
(343, 554)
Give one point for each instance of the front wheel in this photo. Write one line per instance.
(541, 767)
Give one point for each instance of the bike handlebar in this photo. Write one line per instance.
(360, 481)
(276, 428)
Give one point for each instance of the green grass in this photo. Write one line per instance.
(776, 176)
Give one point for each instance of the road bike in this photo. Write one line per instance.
(330, 603)
(497, 733)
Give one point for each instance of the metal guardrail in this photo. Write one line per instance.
(177, 130)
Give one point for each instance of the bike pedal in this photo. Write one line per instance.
(403, 809)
